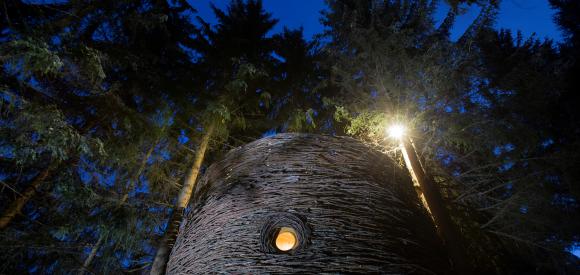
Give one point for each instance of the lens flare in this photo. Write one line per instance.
(396, 131)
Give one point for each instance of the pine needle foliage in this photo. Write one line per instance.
(103, 105)
(393, 65)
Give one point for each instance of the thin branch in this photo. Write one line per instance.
(11, 188)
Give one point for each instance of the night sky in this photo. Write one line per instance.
(527, 16)
(95, 58)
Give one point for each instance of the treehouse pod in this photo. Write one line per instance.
(298, 203)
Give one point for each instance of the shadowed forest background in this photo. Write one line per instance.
(110, 109)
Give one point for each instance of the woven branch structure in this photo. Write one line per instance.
(353, 210)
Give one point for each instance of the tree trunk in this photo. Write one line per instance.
(91, 256)
(16, 206)
(162, 256)
(430, 195)
(123, 200)
(138, 173)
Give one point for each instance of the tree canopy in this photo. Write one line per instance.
(105, 106)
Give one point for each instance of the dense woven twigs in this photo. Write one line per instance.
(353, 209)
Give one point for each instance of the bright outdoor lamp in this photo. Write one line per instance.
(396, 131)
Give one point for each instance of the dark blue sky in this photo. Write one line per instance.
(291, 13)
(528, 16)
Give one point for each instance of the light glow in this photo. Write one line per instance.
(286, 239)
(396, 131)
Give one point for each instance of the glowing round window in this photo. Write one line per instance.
(286, 239)
(284, 233)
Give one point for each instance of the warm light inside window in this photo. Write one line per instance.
(396, 131)
(286, 239)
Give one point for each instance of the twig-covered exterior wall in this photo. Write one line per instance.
(353, 210)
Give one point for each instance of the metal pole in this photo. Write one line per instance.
(432, 200)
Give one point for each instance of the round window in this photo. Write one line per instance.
(284, 233)
(286, 239)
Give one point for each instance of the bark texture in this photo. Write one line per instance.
(353, 209)
(132, 182)
(432, 200)
(162, 255)
(92, 254)
(16, 206)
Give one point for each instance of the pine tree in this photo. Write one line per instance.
(233, 59)
(393, 65)
(81, 80)
(111, 110)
